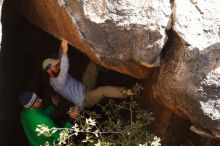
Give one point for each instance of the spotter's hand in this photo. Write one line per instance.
(73, 112)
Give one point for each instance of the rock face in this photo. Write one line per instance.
(130, 37)
(123, 31)
(197, 22)
(118, 34)
(189, 78)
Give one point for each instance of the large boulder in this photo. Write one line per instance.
(130, 37)
(117, 34)
(189, 78)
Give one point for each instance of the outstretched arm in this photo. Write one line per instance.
(64, 64)
(64, 46)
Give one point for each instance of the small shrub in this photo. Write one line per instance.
(117, 123)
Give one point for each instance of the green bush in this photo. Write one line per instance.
(117, 123)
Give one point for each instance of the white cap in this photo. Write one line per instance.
(47, 63)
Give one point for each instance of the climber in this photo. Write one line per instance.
(34, 114)
(80, 94)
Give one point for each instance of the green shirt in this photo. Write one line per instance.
(30, 118)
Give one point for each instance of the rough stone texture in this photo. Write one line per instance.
(124, 35)
(129, 37)
(197, 22)
(185, 85)
(189, 77)
(124, 30)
